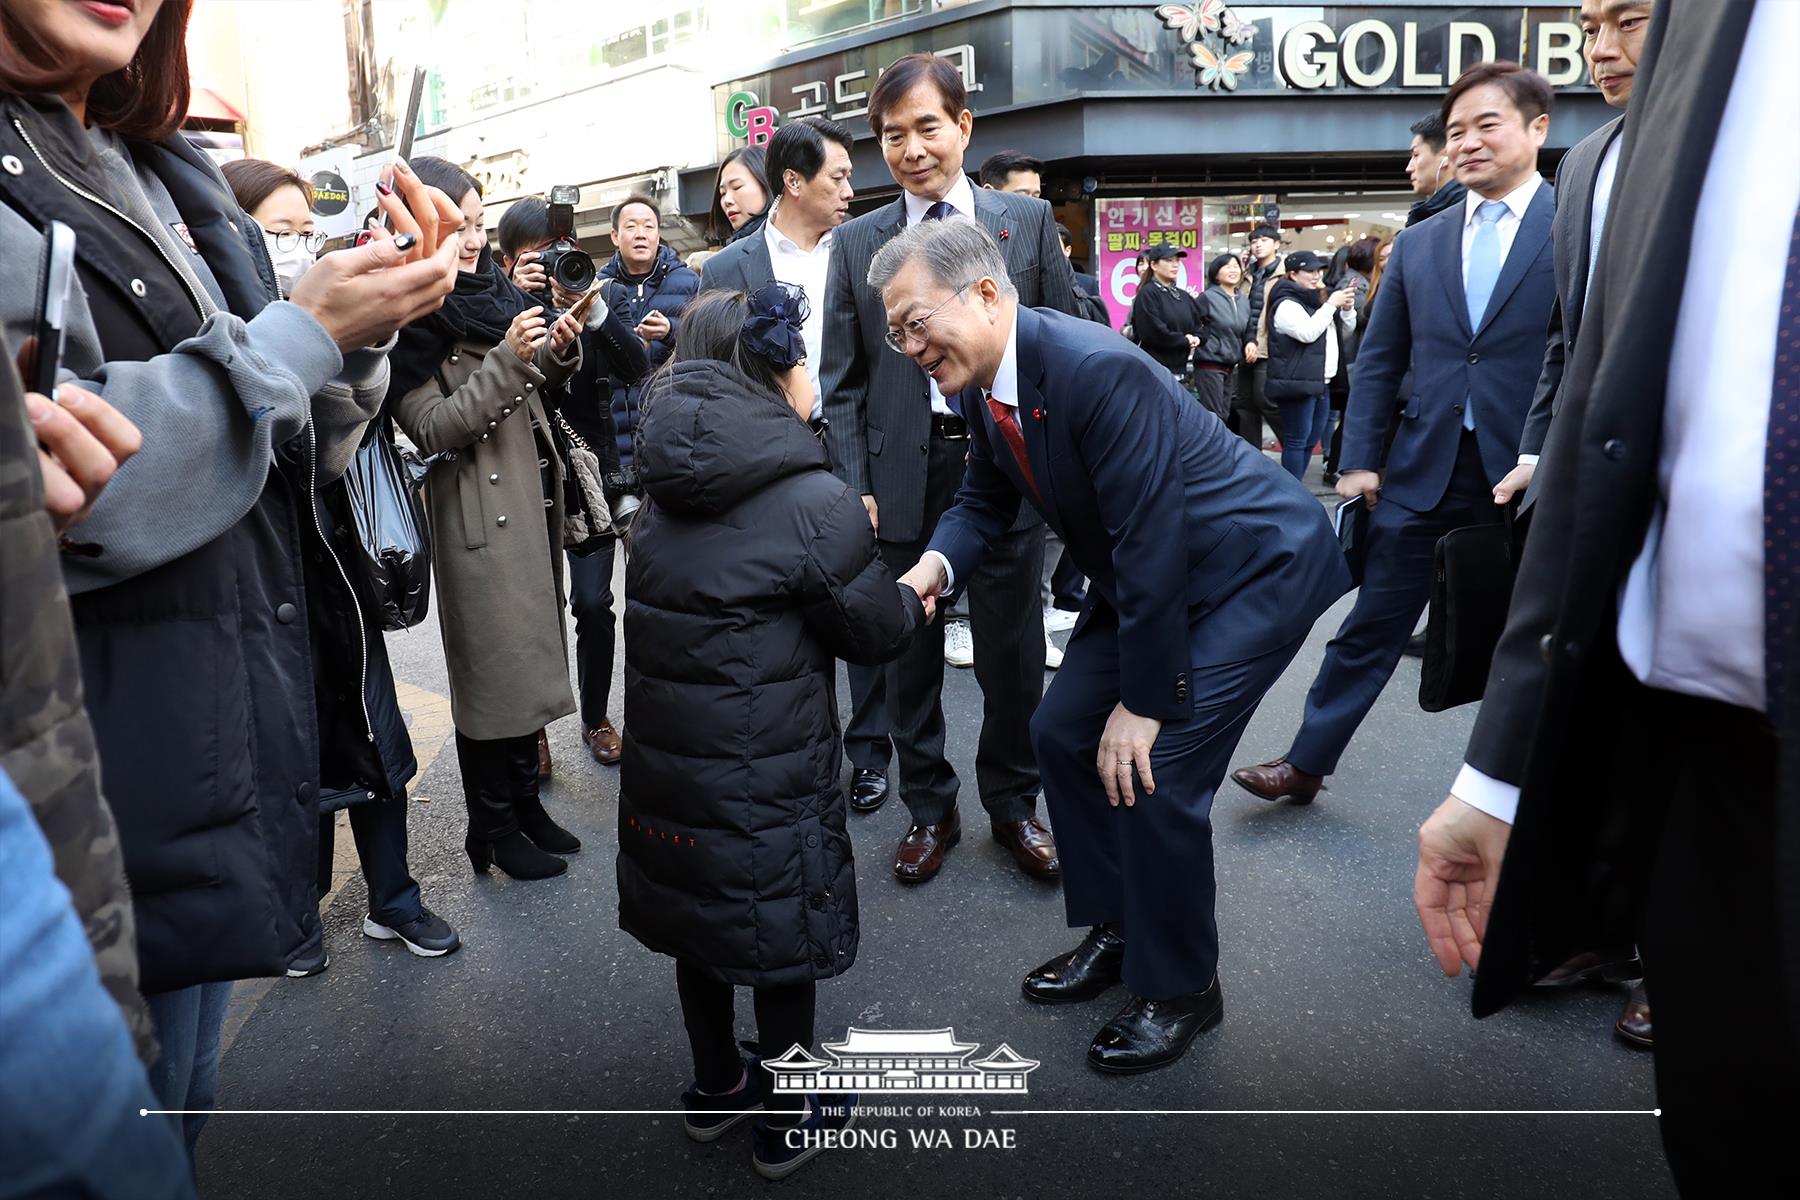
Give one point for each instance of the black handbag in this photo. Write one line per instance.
(393, 540)
(1471, 588)
(587, 518)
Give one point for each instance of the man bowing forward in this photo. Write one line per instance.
(1209, 566)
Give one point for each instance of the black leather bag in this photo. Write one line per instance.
(383, 483)
(1471, 588)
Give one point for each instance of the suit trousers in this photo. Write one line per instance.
(868, 736)
(1008, 627)
(596, 630)
(1396, 586)
(1148, 868)
(1064, 586)
(1727, 1049)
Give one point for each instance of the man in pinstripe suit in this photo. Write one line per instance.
(897, 440)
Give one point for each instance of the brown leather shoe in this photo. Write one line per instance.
(1633, 1025)
(545, 766)
(1032, 847)
(1280, 780)
(603, 743)
(922, 850)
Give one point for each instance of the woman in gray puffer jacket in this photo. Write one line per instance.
(1224, 312)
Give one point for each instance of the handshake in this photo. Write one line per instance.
(928, 578)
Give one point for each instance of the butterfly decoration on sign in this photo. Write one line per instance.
(1214, 72)
(1209, 29)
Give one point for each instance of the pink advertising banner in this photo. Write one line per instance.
(1123, 229)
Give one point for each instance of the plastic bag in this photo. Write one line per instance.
(394, 549)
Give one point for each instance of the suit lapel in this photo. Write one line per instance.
(1528, 243)
(1583, 189)
(762, 267)
(1449, 262)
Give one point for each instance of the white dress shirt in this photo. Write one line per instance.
(962, 199)
(1006, 391)
(806, 270)
(1691, 613)
(1292, 319)
(1516, 201)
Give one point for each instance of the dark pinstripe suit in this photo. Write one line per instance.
(878, 404)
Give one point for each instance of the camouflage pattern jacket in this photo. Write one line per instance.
(46, 744)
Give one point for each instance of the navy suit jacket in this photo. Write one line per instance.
(1204, 550)
(1422, 322)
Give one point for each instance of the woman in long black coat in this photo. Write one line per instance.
(752, 569)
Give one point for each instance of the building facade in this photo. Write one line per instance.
(900, 1060)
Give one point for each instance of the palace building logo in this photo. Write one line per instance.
(901, 1060)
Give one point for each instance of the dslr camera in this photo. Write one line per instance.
(564, 260)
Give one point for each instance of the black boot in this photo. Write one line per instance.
(513, 854)
(528, 806)
(494, 780)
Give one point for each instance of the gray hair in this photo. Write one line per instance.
(956, 252)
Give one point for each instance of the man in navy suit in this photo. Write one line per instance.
(1208, 567)
(1465, 302)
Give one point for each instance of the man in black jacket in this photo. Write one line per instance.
(903, 448)
(1428, 170)
(1253, 408)
(611, 352)
(1643, 693)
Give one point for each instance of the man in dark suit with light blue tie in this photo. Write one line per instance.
(1465, 302)
(1208, 567)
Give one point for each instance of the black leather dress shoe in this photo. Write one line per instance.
(868, 789)
(1148, 1034)
(1081, 974)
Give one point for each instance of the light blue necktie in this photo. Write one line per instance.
(1484, 272)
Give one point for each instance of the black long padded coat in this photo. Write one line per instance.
(752, 569)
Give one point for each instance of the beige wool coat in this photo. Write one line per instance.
(496, 546)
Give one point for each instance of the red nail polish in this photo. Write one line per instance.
(386, 189)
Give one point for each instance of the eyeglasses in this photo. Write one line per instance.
(289, 239)
(915, 330)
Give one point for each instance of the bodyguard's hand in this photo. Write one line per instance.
(1460, 851)
(526, 334)
(362, 295)
(1516, 481)
(1366, 484)
(1193, 341)
(1126, 744)
(81, 442)
(874, 513)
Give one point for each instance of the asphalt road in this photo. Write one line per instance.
(1336, 1016)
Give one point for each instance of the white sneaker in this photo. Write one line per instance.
(959, 644)
(1059, 620)
(1052, 654)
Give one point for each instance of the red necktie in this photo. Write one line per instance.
(1008, 422)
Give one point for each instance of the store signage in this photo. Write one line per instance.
(1368, 48)
(753, 111)
(1123, 229)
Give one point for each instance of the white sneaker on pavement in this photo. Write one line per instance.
(959, 644)
(1059, 620)
(1052, 653)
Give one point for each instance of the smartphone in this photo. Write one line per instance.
(56, 281)
(581, 306)
(409, 125)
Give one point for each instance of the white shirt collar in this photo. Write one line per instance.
(1516, 201)
(961, 198)
(1006, 379)
(780, 243)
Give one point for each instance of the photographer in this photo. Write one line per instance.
(609, 350)
(187, 576)
(647, 285)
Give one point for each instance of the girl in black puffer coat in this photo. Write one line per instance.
(752, 569)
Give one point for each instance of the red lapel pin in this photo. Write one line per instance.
(1005, 233)
(1037, 414)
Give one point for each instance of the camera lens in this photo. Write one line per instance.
(573, 270)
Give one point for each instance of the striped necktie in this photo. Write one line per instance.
(1781, 486)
